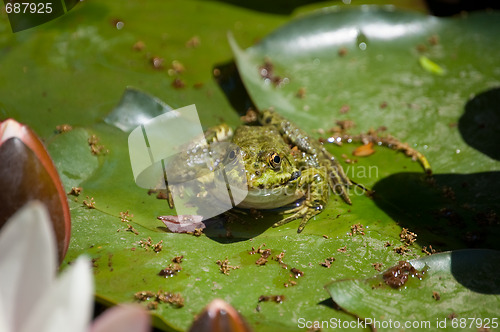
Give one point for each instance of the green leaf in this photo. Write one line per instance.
(451, 280)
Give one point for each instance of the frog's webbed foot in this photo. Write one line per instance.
(303, 211)
(316, 189)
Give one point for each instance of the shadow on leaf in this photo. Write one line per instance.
(480, 123)
(447, 211)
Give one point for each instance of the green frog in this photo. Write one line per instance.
(284, 167)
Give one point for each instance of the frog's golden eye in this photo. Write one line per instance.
(275, 161)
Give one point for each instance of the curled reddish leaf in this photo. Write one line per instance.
(364, 150)
(219, 316)
(28, 173)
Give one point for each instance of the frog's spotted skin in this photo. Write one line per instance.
(282, 164)
(318, 171)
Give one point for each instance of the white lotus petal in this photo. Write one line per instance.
(123, 318)
(68, 304)
(27, 262)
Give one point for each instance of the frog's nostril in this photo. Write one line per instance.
(295, 175)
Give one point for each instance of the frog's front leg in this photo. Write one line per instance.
(314, 185)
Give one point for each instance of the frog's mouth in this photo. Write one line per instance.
(275, 196)
(272, 180)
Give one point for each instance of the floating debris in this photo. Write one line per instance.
(398, 275)
(225, 267)
(273, 298)
(328, 262)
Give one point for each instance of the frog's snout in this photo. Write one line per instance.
(295, 175)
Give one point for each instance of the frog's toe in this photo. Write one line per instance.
(285, 221)
(305, 213)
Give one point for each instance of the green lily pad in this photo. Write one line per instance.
(433, 298)
(77, 73)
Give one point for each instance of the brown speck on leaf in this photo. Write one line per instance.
(264, 254)
(301, 93)
(402, 249)
(436, 296)
(343, 249)
(225, 267)
(139, 46)
(89, 203)
(453, 124)
(261, 261)
(176, 68)
(290, 283)
(216, 72)
(132, 229)
(198, 85)
(377, 266)
(193, 42)
(296, 273)
(170, 271)
(273, 298)
(126, 216)
(344, 109)
(483, 329)
(342, 51)
(452, 316)
(178, 259)
(383, 105)
(345, 124)
(144, 296)
(178, 83)
(175, 299)
(421, 48)
(407, 237)
(110, 262)
(94, 262)
(75, 191)
(157, 62)
(64, 128)
(328, 262)
(148, 244)
(279, 259)
(95, 148)
(398, 275)
(357, 229)
(434, 40)
(158, 246)
(153, 305)
(428, 251)
(266, 71)
(325, 236)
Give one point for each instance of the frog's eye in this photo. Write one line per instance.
(231, 156)
(275, 160)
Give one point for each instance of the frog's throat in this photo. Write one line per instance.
(270, 198)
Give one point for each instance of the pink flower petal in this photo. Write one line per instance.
(123, 318)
